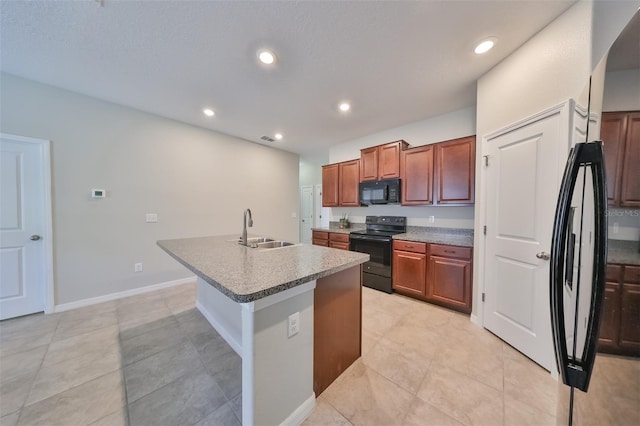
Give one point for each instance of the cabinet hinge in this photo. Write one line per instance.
(483, 297)
(484, 229)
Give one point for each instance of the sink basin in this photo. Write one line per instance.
(274, 244)
(254, 240)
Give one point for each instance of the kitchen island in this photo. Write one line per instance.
(255, 297)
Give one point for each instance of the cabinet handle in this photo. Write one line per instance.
(450, 251)
(409, 246)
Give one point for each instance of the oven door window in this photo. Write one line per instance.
(379, 251)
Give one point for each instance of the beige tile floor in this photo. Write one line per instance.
(153, 360)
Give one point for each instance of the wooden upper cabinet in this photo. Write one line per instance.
(349, 183)
(330, 185)
(455, 171)
(416, 166)
(630, 186)
(620, 132)
(381, 162)
(612, 132)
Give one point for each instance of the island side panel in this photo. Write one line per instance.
(222, 313)
(277, 370)
(337, 326)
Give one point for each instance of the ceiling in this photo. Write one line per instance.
(396, 62)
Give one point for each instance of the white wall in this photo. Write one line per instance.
(198, 182)
(452, 125)
(622, 90)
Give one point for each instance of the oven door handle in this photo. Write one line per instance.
(366, 238)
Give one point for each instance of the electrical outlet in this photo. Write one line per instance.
(432, 219)
(152, 217)
(294, 324)
(294, 215)
(615, 227)
(137, 267)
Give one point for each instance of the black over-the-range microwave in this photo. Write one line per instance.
(385, 191)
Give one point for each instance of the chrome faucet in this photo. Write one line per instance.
(243, 238)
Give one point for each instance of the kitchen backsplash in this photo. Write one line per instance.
(624, 224)
(443, 216)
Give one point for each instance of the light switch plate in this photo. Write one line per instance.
(152, 217)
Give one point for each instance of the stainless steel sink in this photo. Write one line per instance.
(274, 244)
(257, 240)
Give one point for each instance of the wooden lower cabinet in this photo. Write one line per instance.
(409, 268)
(339, 241)
(433, 272)
(330, 239)
(620, 324)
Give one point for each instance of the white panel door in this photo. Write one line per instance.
(322, 214)
(306, 213)
(22, 225)
(522, 180)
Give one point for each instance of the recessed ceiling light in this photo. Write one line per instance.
(267, 57)
(208, 112)
(344, 107)
(485, 46)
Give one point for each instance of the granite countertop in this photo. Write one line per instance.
(335, 227)
(247, 274)
(623, 252)
(448, 236)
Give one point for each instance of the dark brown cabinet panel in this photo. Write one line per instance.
(416, 172)
(381, 162)
(620, 326)
(337, 321)
(349, 181)
(330, 185)
(630, 191)
(409, 268)
(620, 132)
(612, 132)
(449, 279)
(455, 171)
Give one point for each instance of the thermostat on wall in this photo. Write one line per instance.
(98, 193)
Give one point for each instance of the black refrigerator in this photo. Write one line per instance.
(594, 388)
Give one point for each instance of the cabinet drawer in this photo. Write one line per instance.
(410, 246)
(632, 274)
(320, 242)
(336, 237)
(450, 251)
(320, 235)
(613, 273)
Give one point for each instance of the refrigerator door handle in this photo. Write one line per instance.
(576, 371)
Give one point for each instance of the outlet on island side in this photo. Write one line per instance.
(137, 267)
(294, 324)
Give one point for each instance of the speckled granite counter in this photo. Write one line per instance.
(448, 236)
(336, 228)
(623, 252)
(248, 274)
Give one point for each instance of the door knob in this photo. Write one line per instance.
(543, 255)
(35, 237)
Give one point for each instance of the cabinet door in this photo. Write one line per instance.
(449, 282)
(349, 181)
(630, 186)
(330, 187)
(455, 171)
(389, 161)
(416, 170)
(630, 318)
(369, 164)
(612, 132)
(409, 272)
(610, 323)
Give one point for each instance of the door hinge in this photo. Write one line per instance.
(484, 229)
(483, 297)
(486, 160)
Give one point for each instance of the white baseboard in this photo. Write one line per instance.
(301, 413)
(235, 345)
(475, 320)
(114, 296)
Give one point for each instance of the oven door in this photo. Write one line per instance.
(379, 251)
